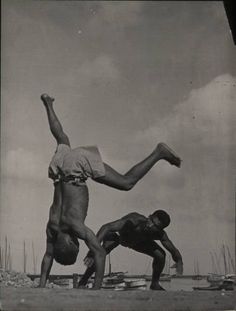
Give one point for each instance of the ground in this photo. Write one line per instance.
(36, 299)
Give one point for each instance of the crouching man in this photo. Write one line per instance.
(139, 233)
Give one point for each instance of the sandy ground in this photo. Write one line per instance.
(14, 299)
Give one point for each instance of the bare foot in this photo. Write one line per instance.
(157, 287)
(168, 154)
(47, 100)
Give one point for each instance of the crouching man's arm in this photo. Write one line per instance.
(109, 228)
(46, 264)
(175, 253)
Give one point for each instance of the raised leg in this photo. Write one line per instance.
(127, 181)
(54, 123)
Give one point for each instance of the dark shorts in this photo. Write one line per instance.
(148, 247)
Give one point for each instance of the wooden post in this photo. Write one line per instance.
(9, 260)
(75, 280)
(5, 253)
(24, 258)
(34, 259)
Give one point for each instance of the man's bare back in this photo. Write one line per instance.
(72, 208)
(74, 203)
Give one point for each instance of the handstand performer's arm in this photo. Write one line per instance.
(175, 253)
(99, 255)
(107, 245)
(46, 264)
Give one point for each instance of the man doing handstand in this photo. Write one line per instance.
(69, 169)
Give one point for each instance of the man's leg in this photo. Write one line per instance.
(109, 244)
(157, 268)
(54, 123)
(152, 249)
(128, 180)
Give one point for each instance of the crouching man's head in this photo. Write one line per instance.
(66, 249)
(157, 221)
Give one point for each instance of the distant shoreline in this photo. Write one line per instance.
(134, 276)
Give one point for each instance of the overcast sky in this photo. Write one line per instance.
(125, 75)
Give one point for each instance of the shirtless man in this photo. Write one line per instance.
(69, 169)
(138, 232)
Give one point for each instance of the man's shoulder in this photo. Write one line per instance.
(134, 215)
(133, 218)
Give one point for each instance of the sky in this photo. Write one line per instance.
(125, 76)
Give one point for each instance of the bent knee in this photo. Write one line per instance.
(127, 185)
(62, 138)
(159, 255)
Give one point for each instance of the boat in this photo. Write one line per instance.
(165, 277)
(231, 277)
(64, 283)
(113, 284)
(135, 284)
(225, 285)
(215, 279)
(114, 281)
(118, 281)
(217, 276)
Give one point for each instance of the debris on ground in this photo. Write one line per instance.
(20, 279)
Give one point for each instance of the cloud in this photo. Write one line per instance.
(201, 129)
(204, 117)
(23, 164)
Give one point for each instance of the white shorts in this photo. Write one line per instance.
(81, 162)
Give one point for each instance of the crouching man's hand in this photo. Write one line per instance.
(89, 260)
(179, 267)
